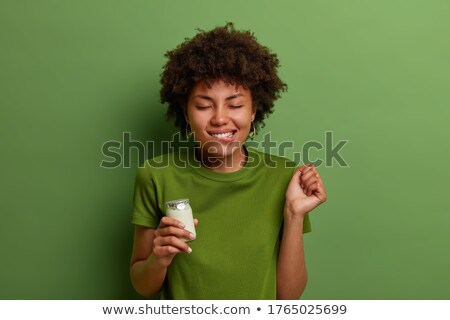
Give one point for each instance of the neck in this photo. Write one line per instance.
(231, 163)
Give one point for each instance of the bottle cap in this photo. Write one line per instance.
(179, 204)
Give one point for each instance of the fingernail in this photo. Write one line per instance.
(191, 235)
(181, 225)
(189, 250)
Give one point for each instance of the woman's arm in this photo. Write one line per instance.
(153, 251)
(147, 276)
(304, 193)
(291, 268)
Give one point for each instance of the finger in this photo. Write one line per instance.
(310, 180)
(320, 192)
(306, 177)
(304, 169)
(308, 183)
(312, 183)
(307, 174)
(313, 188)
(174, 231)
(316, 189)
(168, 221)
(321, 184)
(166, 250)
(173, 241)
(295, 179)
(195, 222)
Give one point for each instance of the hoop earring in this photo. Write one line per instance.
(190, 133)
(253, 131)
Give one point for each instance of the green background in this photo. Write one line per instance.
(75, 74)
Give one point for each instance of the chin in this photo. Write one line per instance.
(220, 149)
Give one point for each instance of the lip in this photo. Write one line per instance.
(221, 131)
(225, 139)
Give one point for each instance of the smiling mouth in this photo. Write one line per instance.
(221, 135)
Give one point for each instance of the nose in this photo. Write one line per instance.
(220, 116)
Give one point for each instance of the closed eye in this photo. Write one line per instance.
(236, 107)
(202, 107)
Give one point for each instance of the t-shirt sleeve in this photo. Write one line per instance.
(145, 201)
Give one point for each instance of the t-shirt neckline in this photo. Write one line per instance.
(254, 160)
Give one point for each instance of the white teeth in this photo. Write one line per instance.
(222, 135)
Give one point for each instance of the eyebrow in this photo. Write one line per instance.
(228, 98)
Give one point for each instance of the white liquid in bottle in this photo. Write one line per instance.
(181, 210)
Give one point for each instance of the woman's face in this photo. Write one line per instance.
(220, 117)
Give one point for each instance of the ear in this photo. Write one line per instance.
(253, 115)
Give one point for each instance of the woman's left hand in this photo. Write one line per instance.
(305, 191)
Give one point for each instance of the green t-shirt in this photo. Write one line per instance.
(240, 222)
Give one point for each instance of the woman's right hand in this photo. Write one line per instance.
(167, 242)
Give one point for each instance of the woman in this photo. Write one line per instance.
(252, 208)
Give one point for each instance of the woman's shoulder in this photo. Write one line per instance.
(164, 162)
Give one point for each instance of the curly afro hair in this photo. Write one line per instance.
(223, 53)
